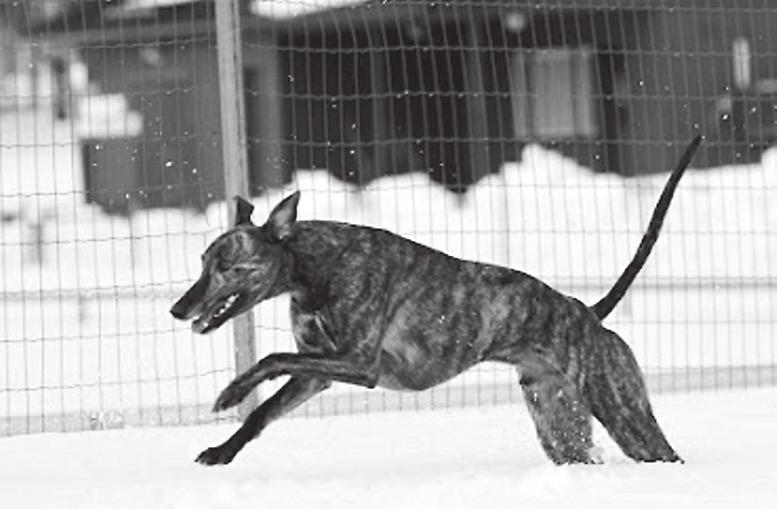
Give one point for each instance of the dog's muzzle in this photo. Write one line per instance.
(180, 310)
(191, 302)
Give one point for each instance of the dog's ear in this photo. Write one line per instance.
(283, 217)
(244, 210)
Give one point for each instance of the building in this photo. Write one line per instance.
(454, 89)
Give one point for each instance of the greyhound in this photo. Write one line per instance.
(372, 308)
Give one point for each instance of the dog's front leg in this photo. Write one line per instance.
(336, 369)
(295, 392)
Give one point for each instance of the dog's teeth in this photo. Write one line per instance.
(227, 304)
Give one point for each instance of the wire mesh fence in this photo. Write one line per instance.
(531, 134)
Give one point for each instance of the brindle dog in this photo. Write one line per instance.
(371, 308)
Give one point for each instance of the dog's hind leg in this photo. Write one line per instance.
(616, 393)
(562, 419)
(295, 392)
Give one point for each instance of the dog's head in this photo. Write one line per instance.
(240, 268)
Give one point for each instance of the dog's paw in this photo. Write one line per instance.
(219, 455)
(231, 396)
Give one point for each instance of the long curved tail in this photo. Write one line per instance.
(609, 301)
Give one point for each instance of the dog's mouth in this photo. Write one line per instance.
(219, 312)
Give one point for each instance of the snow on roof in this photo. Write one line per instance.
(291, 8)
(268, 8)
(150, 4)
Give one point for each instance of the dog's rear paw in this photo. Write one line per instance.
(220, 455)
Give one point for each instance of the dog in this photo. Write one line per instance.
(372, 308)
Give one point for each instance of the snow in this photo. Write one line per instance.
(291, 8)
(269, 8)
(475, 457)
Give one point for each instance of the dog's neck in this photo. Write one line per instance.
(314, 249)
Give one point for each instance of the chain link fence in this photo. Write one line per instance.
(531, 134)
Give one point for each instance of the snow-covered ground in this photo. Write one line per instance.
(87, 329)
(476, 457)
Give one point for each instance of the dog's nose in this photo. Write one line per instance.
(179, 310)
(189, 303)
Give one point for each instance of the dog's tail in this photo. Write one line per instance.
(603, 308)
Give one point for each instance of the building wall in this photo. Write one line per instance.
(176, 156)
(373, 104)
(367, 98)
(679, 78)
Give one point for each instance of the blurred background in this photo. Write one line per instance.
(536, 135)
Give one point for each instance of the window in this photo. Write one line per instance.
(552, 93)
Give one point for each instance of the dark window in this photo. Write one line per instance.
(553, 93)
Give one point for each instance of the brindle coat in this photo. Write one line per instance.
(371, 308)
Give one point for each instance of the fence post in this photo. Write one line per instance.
(235, 159)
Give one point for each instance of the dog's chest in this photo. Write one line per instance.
(311, 333)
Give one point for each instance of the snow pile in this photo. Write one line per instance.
(545, 215)
(291, 8)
